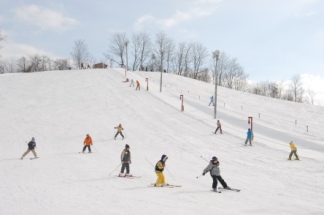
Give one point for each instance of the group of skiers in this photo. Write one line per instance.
(138, 84)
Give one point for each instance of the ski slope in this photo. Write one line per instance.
(59, 108)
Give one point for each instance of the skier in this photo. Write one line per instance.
(138, 85)
(293, 151)
(89, 67)
(87, 142)
(249, 137)
(211, 101)
(219, 126)
(132, 83)
(213, 168)
(125, 160)
(119, 131)
(31, 147)
(159, 167)
(82, 67)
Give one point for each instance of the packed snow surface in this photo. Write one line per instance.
(59, 108)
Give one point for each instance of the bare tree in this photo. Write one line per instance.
(35, 63)
(296, 88)
(311, 96)
(187, 60)
(180, 57)
(162, 42)
(117, 47)
(22, 64)
(141, 49)
(199, 53)
(80, 52)
(2, 38)
(60, 64)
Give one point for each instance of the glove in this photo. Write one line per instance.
(203, 173)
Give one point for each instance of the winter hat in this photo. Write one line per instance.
(214, 158)
(164, 157)
(33, 138)
(126, 146)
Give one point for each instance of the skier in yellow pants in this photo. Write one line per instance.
(159, 167)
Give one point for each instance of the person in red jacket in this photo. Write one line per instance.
(87, 143)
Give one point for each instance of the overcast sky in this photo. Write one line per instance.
(272, 39)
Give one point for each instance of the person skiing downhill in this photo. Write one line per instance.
(132, 83)
(138, 85)
(87, 143)
(31, 147)
(125, 160)
(249, 137)
(211, 101)
(293, 151)
(219, 126)
(119, 131)
(159, 167)
(213, 168)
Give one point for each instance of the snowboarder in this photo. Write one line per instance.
(219, 126)
(249, 137)
(87, 143)
(132, 83)
(119, 131)
(31, 147)
(213, 168)
(159, 167)
(211, 101)
(293, 151)
(125, 160)
(138, 85)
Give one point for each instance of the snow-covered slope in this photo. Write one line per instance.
(59, 108)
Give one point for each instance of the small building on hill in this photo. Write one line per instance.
(100, 66)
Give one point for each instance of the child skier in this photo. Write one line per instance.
(125, 160)
(159, 167)
(249, 137)
(31, 147)
(219, 126)
(293, 151)
(211, 101)
(213, 168)
(138, 85)
(87, 143)
(119, 131)
(132, 83)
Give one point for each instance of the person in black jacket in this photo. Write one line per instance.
(159, 167)
(125, 160)
(31, 147)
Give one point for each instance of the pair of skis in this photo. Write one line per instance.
(129, 176)
(166, 185)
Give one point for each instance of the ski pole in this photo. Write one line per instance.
(115, 169)
(204, 158)
(199, 176)
(170, 173)
(94, 148)
(149, 162)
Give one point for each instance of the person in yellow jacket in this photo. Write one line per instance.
(119, 131)
(293, 151)
(159, 167)
(87, 143)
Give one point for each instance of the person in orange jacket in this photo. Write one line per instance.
(138, 85)
(87, 143)
(119, 131)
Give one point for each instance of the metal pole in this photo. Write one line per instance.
(161, 71)
(216, 55)
(126, 43)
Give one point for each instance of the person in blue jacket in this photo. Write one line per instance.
(249, 137)
(211, 100)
